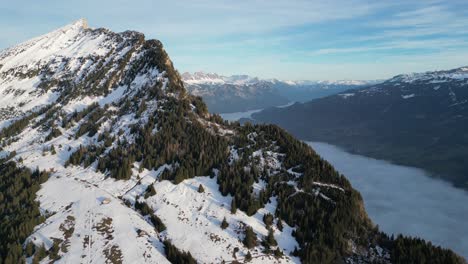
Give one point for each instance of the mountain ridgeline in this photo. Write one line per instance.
(238, 93)
(418, 120)
(113, 161)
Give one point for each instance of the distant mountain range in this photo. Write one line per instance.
(418, 119)
(236, 93)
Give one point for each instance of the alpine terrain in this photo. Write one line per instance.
(107, 159)
(418, 119)
(238, 93)
(232, 94)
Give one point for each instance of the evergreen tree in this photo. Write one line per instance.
(150, 191)
(29, 250)
(279, 225)
(19, 210)
(278, 253)
(248, 257)
(40, 254)
(270, 238)
(416, 250)
(157, 222)
(268, 219)
(53, 134)
(224, 223)
(234, 252)
(54, 250)
(233, 206)
(174, 255)
(201, 189)
(250, 239)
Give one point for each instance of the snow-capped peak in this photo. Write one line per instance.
(433, 76)
(36, 72)
(41, 47)
(242, 79)
(79, 24)
(201, 77)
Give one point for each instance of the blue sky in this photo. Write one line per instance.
(286, 39)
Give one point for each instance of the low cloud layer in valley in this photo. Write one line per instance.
(405, 200)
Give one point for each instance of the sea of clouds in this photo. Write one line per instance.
(405, 200)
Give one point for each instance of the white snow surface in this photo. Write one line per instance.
(408, 96)
(88, 243)
(60, 42)
(193, 222)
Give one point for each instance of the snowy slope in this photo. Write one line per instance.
(75, 198)
(79, 99)
(36, 72)
(179, 204)
(88, 212)
(46, 71)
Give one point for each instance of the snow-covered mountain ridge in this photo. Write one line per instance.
(69, 60)
(448, 87)
(237, 93)
(433, 77)
(214, 78)
(113, 162)
(201, 77)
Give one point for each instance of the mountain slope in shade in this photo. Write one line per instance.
(237, 93)
(121, 165)
(412, 119)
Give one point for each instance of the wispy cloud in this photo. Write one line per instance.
(188, 17)
(424, 21)
(435, 44)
